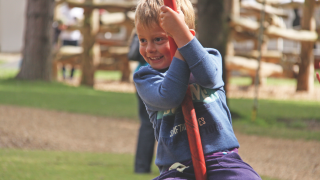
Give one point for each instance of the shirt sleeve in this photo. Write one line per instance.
(204, 63)
(163, 91)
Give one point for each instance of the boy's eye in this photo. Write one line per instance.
(158, 39)
(143, 40)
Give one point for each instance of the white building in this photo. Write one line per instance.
(12, 18)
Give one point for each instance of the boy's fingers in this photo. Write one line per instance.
(165, 11)
(164, 8)
(180, 12)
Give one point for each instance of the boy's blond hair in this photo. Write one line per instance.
(148, 12)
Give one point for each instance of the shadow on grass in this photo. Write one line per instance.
(235, 115)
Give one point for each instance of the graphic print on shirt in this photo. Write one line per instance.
(182, 127)
(173, 133)
(199, 95)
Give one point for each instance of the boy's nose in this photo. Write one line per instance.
(151, 48)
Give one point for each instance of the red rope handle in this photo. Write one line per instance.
(173, 46)
(318, 76)
(190, 118)
(194, 139)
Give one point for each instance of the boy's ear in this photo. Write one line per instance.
(193, 32)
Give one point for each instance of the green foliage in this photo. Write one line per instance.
(40, 165)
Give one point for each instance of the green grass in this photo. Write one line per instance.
(19, 164)
(279, 119)
(57, 96)
(105, 75)
(246, 81)
(284, 119)
(48, 165)
(268, 178)
(109, 75)
(7, 73)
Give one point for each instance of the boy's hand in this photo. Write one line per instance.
(173, 23)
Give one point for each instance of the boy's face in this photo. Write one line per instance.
(154, 46)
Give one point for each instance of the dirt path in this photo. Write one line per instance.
(30, 128)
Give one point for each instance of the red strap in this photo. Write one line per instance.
(173, 47)
(190, 118)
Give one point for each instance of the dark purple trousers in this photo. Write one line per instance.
(227, 167)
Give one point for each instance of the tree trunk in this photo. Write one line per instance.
(89, 56)
(37, 58)
(213, 28)
(306, 68)
(87, 65)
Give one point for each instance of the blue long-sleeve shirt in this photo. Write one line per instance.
(163, 91)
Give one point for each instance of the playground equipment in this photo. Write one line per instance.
(275, 63)
(110, 54)
(98, 50)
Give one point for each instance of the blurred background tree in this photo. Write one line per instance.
(213, 27)
(36, 63)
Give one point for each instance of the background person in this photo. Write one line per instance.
(146, 139)
(70, 17)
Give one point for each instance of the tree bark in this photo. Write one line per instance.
(87, 59)
(212, 27)
(305, 80)
(37, 57)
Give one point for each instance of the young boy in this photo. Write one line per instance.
(163, 84)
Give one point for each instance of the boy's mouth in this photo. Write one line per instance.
(156, 58)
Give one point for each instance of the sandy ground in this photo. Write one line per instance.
(30, 128)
